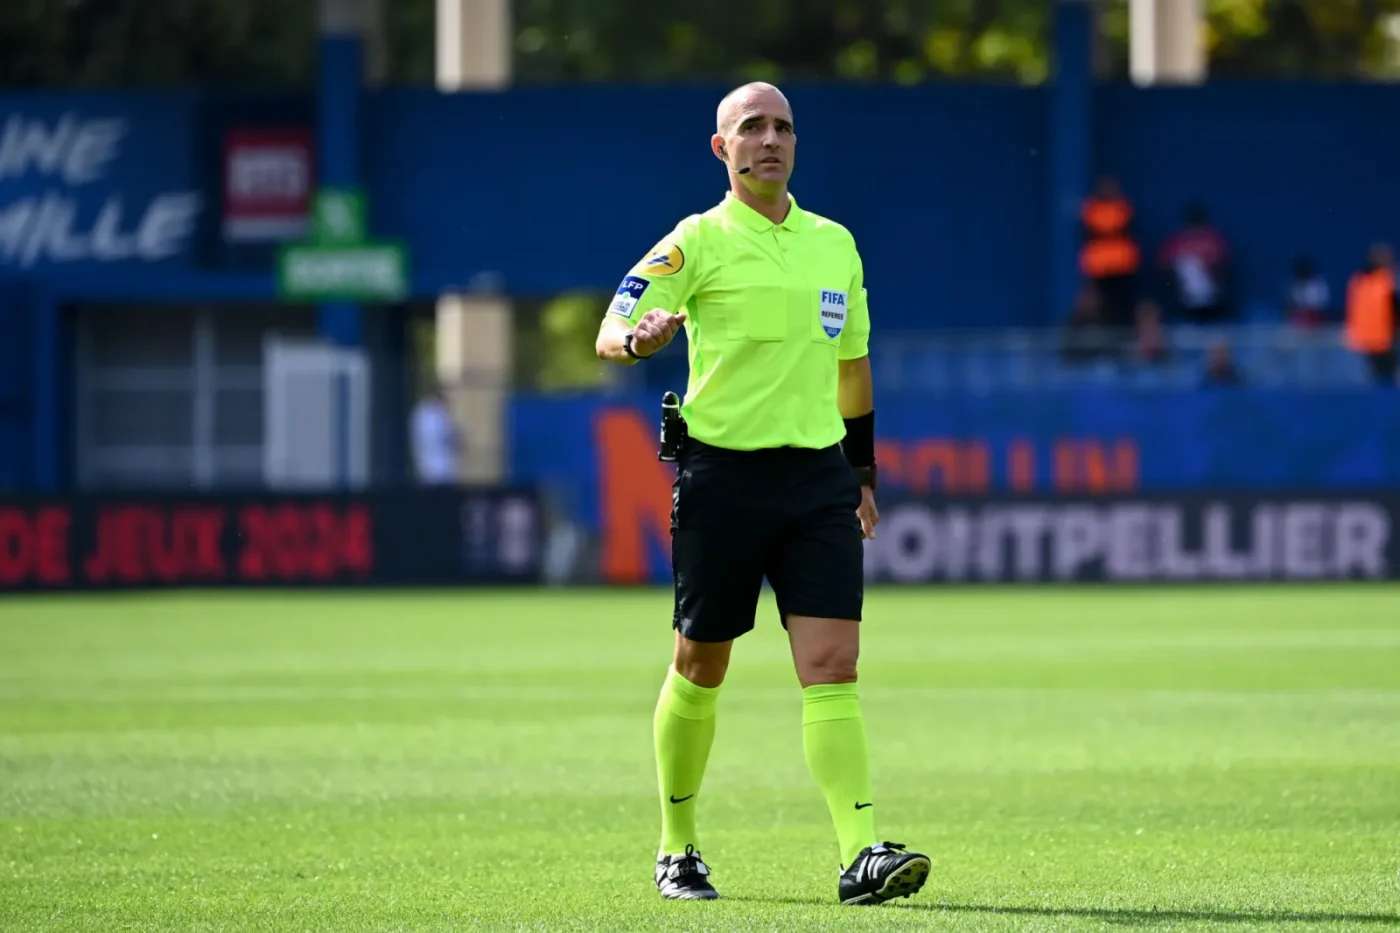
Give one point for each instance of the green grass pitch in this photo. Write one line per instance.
(1072, 759)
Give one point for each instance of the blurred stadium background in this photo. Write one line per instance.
(303, 294)
(184, 329)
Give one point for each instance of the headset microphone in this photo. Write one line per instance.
(743, 171)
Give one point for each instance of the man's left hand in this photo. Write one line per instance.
(867, 513)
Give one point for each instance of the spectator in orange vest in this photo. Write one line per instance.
(1109, 258)
(1371, 313)
(1197, 261)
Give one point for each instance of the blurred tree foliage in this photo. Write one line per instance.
(554, 343)
(903, 41)
(135, 43)
(271, 42)
(1312, 39)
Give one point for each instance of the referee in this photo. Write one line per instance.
(772, 299)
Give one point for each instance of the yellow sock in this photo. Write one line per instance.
(683, 729)
(833, 740)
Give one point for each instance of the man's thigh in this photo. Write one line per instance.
(720, 538)
(818, 567)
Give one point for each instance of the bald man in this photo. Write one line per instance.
(775, 480)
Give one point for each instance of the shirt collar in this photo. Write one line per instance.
(757, 222)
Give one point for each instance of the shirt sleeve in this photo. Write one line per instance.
(664, 278)
(855, 339)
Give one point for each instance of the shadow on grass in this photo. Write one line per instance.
(1119, 915)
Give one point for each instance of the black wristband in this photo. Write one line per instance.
(627, 347)
(859, 446)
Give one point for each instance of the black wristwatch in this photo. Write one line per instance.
(627, 347)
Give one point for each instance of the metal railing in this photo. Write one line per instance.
(986, 361)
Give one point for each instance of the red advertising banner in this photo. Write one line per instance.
(268, 179)
(431, 536)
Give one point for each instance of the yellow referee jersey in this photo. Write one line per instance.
(770, 308)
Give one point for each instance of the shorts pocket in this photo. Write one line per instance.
(690, 493)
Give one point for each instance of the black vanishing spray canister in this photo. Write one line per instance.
(673, 431)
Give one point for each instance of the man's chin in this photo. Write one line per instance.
(765, 185)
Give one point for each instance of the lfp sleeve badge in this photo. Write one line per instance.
(628, 294)
(833, 312)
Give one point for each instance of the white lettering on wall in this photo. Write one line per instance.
(1219, 560)
(73, 150)
(1362, 530)
(46, 228)
(269, 172)
(1079, 539)
(52, 225)
(167, 225)
(1129, 540)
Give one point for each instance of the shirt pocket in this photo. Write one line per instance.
(741, 313)
(755, 297)
(766, 315)
(746, 311)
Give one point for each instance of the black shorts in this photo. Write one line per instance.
(787, 513)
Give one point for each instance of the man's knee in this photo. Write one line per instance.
(824, 651)
(702, 663)
(836, 665)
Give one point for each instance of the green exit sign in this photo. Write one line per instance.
(339, 263)
(370, 272)
(338, 216)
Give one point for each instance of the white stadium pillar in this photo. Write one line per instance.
(474, 331)
(473, 44)
(1166, 42)
(473, 367)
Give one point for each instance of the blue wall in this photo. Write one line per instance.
(16, 387)
(943, 186)
(1232, 439)
(81, 173)
(1227, 440)
(540, 189)
(544, 190)
(1284, 169)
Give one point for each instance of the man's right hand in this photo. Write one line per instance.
(655, 330)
